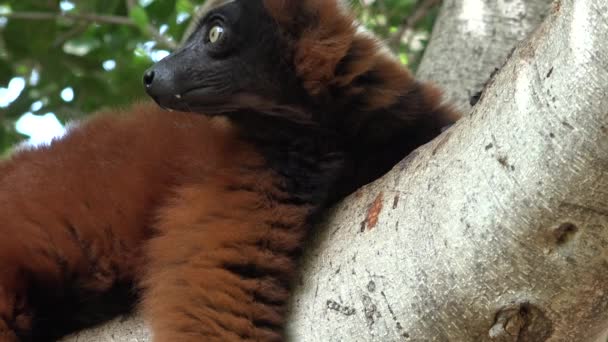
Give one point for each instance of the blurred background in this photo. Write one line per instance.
(60, 60)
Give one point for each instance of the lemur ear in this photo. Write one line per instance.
(324, 43)
(320, 32)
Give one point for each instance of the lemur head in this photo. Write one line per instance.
(278, 56)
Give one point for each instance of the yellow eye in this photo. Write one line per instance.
(215, 33)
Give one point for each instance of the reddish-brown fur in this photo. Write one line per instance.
(81, 208)
(323, 33)
(79, 211)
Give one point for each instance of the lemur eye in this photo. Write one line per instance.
(215, 33)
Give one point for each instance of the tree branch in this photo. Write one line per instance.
(480, 41)
(154, 31)
(78, 29)
(196, 16)
(90, 17)
(495, 231)
(96, 18)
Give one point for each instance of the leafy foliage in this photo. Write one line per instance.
(100, 48)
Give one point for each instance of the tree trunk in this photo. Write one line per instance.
(472, 38)
(495, 231)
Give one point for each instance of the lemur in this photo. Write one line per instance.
(194, 209)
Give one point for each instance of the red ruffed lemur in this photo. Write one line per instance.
(197, 220)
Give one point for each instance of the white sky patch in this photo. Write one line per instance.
(472, 14)
(34, 77)
(5, 9)
(147, 49)
(581, 40)
(181, 17)
(40, 128)
(417, 40)
(163, 28)
(157, 55)
(109, 65)
(77, 49)
(145, 3)
(12, 92)
(36, 106)
(66, 5)
(149, 45)
(67, 94)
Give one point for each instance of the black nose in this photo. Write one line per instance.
(149, 78)
(160, 83)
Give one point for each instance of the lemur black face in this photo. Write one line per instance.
(232, 61)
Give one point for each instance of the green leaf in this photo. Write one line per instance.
(403, 58)
(41, 45)
(9, 137)
(6, 72)
(161, 11)
(140, 17)
(184, 6)
(25, 39)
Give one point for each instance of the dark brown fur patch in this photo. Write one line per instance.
(322, 33)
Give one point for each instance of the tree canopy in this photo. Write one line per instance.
(74, 57)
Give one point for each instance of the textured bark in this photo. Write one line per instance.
(472, 38)
(495, 231)
(121, 329)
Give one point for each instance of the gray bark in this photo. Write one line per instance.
(472, 38)
(121, 329)
(495, 231)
